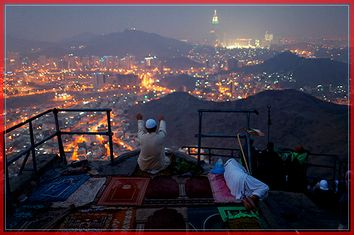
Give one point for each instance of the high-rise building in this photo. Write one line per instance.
(148, 60)
(257, 43)
(214, 32)
(215, 19)
(98, 80)
(70, 61)
(232, 88)
(127, 62)
(268, 38)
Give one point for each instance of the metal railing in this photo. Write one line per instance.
(212, 152)
(58, 133)
(333, 164)
(201, 135)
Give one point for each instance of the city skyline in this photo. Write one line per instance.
(192, 23)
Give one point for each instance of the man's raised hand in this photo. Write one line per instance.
(161, 117)
(139, 116)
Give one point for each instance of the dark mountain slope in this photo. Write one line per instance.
(297, 119)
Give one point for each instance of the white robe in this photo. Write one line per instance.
(152, 155)
(241, 184)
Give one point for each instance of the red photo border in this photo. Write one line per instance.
(137, 2)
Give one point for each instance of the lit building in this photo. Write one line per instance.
(127, 62)
(268, 38)
(98, 80)
(214, 32)
(149, 60)
(215, 19)
(13, 61)
(257, 43)
(240, 43)
(243, 42)
(70, 61)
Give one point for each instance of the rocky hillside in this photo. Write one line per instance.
(297, 119)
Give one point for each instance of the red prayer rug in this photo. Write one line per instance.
(198, 187)
(162, 187)
(124, 191)
(104, 220)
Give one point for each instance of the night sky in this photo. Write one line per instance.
(55, 23)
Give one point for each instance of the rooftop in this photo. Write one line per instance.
(51, 194)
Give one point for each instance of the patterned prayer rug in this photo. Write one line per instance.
(221, 192)
(83, 195)
(204, 218)
(124, 219)
(45, 220)
(124, 191)
(162, 187)
(22, 214)
(170, 218)
(244, 223)
(103, 220)
(59, 189)
(198, 187)
(165, 219)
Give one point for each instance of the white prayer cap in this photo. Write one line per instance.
(150, 123)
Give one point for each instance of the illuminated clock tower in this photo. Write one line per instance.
(215, 20)
(214, 32)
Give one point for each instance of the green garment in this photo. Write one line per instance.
(301, 157)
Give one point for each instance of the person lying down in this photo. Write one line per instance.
(243, 186)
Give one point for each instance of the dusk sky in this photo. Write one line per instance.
(54, 23)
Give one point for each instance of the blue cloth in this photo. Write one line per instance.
(218, 167)
(59, 189)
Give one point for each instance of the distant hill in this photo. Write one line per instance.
(132, 42)
(81, 38)
(135, 42)
(26, 46)
(297, 119)
(306, 72)
(339, 54)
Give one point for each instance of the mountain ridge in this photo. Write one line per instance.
(135, 42)
(313, 71)
(297, 119)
